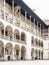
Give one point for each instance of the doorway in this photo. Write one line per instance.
(8, 57)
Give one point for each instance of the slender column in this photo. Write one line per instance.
(20, 13)
(20, 17)
(13, 11)
(34, 26)
(4, 9)
(13, 53)
(4, 52)
(37, 29)
(13, 44)
(30, 23)
(20, 53)
(40, 30)
(25, 19)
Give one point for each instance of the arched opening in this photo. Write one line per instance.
(8, 33)
(16, 52)
(1, 30)
(32, 54)
(23, 37)
(16, 36)
(1, 49)
(32, 40)
(8, 51)
(23, 53)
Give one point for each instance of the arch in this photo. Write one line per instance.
(1, 49)
(22, 36)
(1, 29)
(8, 49)
(16, 35)
(8, 32)
(23, 53)
(16, 51)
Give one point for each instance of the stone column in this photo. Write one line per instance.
(20, 16)
(37, 29)
(25, 19)
(30, 23)
(20, 53)
(34, 26)
(40, 31)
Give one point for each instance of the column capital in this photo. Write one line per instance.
(12, 1)
(25, 15)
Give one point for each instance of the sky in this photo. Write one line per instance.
(41, 7)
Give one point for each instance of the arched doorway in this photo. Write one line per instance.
(16, 36)
(16, 52)
(8, 33)
(23, 53)
(8, 51)
(1, 50)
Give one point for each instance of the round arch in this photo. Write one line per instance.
(8, 48)
(16, 35)
(16, 51)
(8, 32)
